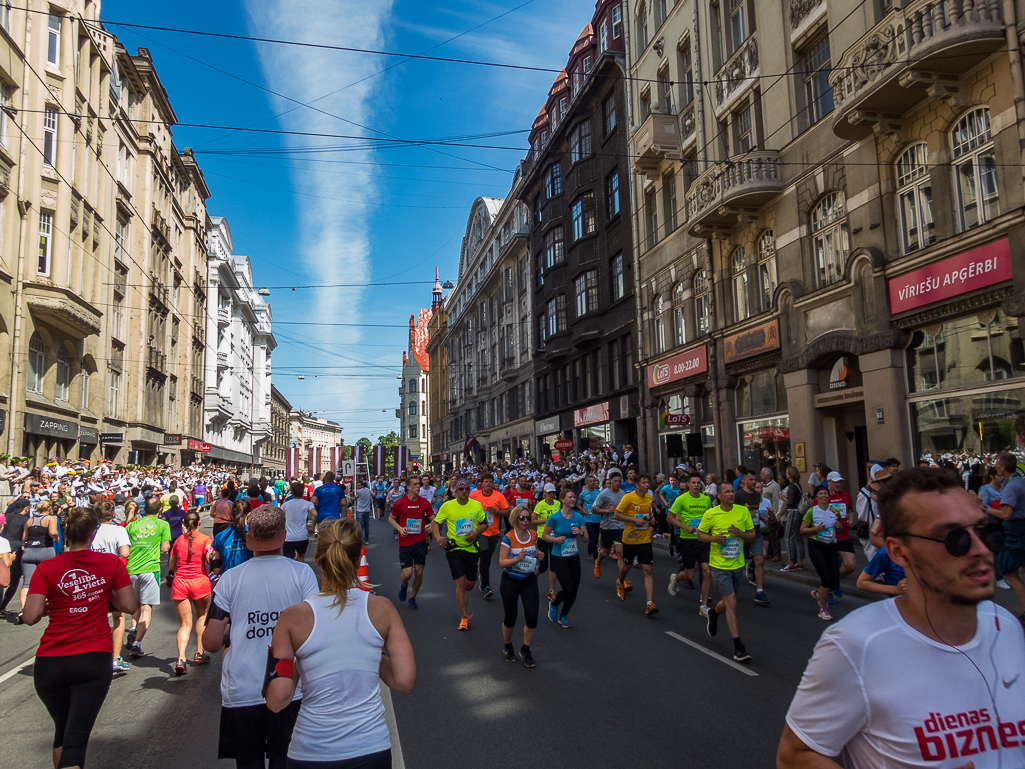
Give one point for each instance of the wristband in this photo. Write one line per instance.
(276, 669)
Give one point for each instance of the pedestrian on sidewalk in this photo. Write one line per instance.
(795, 541)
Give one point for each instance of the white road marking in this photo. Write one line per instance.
(397, 761)
(12, 673)
(746, 671)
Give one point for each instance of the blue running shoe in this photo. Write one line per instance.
(402, 593)
(829, 600)
(553, 611)
(564, 621)
(412, 603)
(838, 593)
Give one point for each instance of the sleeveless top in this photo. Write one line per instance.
(342, 715)
(36, 535)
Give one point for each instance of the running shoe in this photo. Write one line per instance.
(564, 621)
(136, 650)
(672, 584)
(614, 556)
(551, 595)
(824, 614)
(620, 591)
(403, 589)
(121, 667)
(130, 637)
(815, 595)
(713, 622)
(740, 654)
(553, 611)
(628, 585)
(528, 658)
(651, 609)
(789, 567)
(838, 593)
(464, 623)
(830, 600)
(761, 599)
(703, 610)
(597, 569)
(412, 603)
(1003, 584)
(510, 655)
(689, 584)
(179, 668)
(200, 659)
(488, 594)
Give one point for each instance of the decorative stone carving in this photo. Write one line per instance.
(66, 312)
(688, 124)
(849, 342)
(736, 72)
(801, 10)
(947, 310)
(48, 198)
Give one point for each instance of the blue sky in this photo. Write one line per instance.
(308, 212)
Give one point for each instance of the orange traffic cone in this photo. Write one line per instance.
(363, 572)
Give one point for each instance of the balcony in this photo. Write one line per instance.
(398, 413)
(557, 346)
(916, 52)
(730, 191)
(196, 386)
(657, 140)
(157, 360)
(737, 75)
(223, 316)
(222, 360)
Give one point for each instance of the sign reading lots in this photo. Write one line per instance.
(686, 364)
(978, 268)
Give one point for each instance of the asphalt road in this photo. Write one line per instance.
(618, 687)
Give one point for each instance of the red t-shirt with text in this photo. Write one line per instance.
(412, 514)
(843, 498)
(515, 494)
(77, 586)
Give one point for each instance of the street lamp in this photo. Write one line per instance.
(264, 292)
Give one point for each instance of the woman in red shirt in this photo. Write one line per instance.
(73, 670)
(191, 587)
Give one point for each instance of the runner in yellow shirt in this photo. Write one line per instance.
(634, 510)
(465, 521)
(727, 527)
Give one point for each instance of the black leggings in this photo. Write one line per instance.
(546, 548)
(567, 571)
(486, 554)
(12, 587)
(525, 590)
(73, 689)
(826, 560)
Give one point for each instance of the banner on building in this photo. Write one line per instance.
(378, 468)
(401, 458)
(292, 462)
(335, 458)
(314, 460)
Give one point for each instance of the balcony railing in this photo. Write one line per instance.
(222, 360)
(197, 386)
(917, 51)
(223, 316)
(157, 360)
(727, 191)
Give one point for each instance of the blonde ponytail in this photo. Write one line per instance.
(339, 546)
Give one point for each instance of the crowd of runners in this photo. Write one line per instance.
(80, 544)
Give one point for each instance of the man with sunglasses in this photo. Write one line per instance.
(1011, 558)
(934, 677)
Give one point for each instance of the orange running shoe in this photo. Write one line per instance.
(464, 623)
(651, 609)
(597, 569)
(620, 591)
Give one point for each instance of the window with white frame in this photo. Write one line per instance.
(737, 25)
(50, 137)
(665, 91)
(6, 96)
(659, 310)
(53, 40)
(617, 22)
(603, 36)
(583, 216)
(45, 243)
(686, 67)
(612, 194)
(556, 315)
(743, 130)
(554, 253)
(36, 363)
(120, 238)
(586, 292)
(580, 142)
(766, 269)
(829, 238)
(914, 198)
(553, 181)
(616, 283)
(975, 169)
(741, 309)
(63, 381)
(5, 14)
(679, 320)
(702, 302)
(114, 394)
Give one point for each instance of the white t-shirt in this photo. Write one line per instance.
(883, 694)
(297, 512)
(109, 538)
(254, 593)
(5, 546)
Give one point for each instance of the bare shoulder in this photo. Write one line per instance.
(298, 617)
(382, 613)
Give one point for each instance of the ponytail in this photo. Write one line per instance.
(339, 547)
(189, 524)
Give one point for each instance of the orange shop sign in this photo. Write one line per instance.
(682, 366)
(752, 341)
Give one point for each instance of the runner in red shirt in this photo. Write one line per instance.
(842, 507)
(73, 666)
(411, 516)
(521, 491)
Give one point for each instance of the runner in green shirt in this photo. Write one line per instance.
(685, 516)
(149, 537)
(464, 520)
(726, 528)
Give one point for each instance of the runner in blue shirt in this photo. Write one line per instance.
(327, 498)
(592, 521)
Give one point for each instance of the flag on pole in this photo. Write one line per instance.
(291, 462)
(335, 458)
(401, 458)
(378, 460)
(359, 453)
(314, 460)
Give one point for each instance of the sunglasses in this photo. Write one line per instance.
(522, 517)
(959, 541)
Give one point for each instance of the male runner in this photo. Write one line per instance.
(749, 497)
(149, 536)
(634, 510)
(727, 527)
(611, 529)
(465, 521)
(543, 510)
(411, 517)
(592, 521)
(496, 507)
(685, 516)
(666, 496)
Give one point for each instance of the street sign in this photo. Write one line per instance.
(564, 444)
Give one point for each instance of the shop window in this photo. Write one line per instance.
(965, 352)
(975, 169)
(761, 393)
(829, 240)
(36, 363)
(740, 305)
(679, 319)
(702, 302)
(914, 198)
(659, 309)
(983, 423)
(766, 270)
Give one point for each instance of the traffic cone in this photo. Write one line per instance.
(363, 572)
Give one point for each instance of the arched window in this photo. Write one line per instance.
(975, 169)
(63, 373)
(702, 302)
(679, 322)
(740, 304)
(829, 238)
(36, 363)
(766, 270)
(412, 385)
(914, 198)
(660, 324)
(412, 408)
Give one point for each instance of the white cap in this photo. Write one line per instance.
(875, 469)
(834, 476)
(550, 487)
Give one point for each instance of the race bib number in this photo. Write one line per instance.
(640, 522)
(569, 547)
(414, 525)
(827, 536)
(731, 549)
(490, 517)
(464, 526)
(695, 522)
(526, 566)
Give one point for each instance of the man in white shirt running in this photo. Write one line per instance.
(932, 678)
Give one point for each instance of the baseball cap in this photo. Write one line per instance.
(265, 528)
(550, 487)
(834, 476)
(119, 499)
(614, 471)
